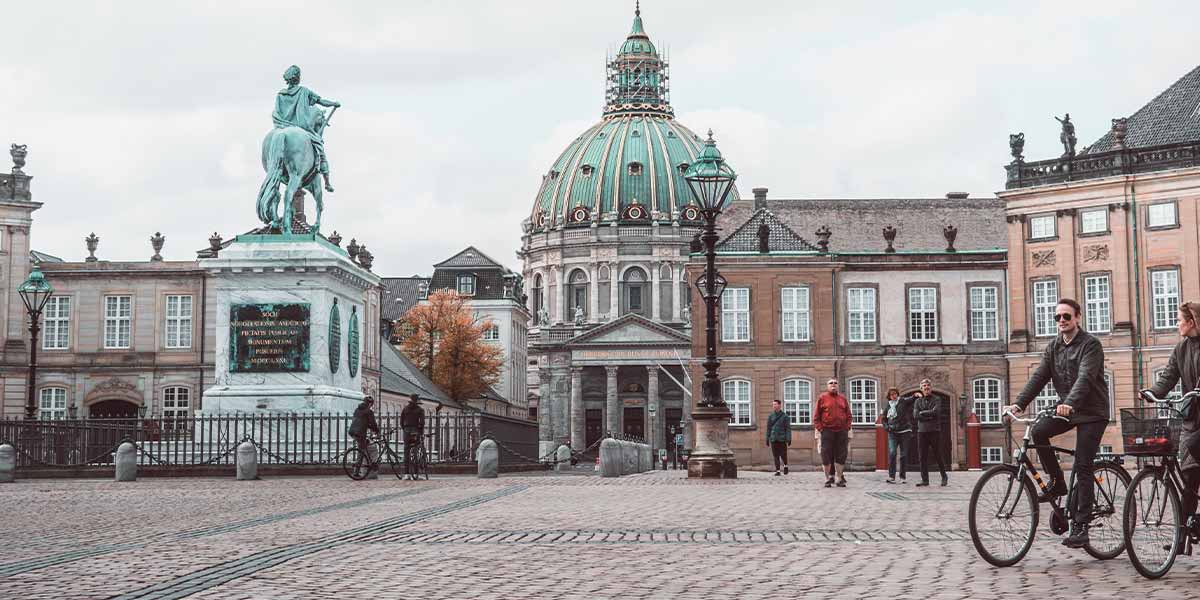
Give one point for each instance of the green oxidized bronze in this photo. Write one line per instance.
(293, 153)
(335, 337)
(352, 342)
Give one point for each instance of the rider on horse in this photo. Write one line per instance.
(294, 108)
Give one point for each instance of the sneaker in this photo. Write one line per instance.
(945, 480)
(1056, 489)
(890, 480)
(777, 473)
(829, 483)
(785, 471)
(1078, 537)
(841, 482)
(903, 481)
(923, 484)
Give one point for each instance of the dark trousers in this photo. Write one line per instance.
(364, 451)
(1087, 442)
(412, 438)
(779, 453)
(1191, 484)
(896, 453)
(930, 442)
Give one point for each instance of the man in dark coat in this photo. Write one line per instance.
(929, 431)
(1074, 361)
(363, 421)
(412, 423)
(779, 435)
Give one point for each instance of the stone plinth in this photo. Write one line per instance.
(488, 459)
(712, 458)
(289, 271)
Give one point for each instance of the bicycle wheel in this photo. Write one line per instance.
(394, 460)
(355, 464)
(424, 470)
(1107, 541)
(1152, 523)
(1003, 516)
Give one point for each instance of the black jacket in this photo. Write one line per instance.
(779, 427)
(412, 417)
(926, 412)
(1183, 366)
(364, 420)
(903, 421)
(1077, 370)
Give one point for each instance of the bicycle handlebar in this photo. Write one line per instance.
(1149, 396)
(1045, 412)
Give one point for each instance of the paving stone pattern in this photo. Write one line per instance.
(654, 535)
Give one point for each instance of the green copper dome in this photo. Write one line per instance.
(629, 167)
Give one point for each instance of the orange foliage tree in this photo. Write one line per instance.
(445, 340)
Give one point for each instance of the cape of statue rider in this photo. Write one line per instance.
(294, 108)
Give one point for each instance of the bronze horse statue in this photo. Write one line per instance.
(289, 158)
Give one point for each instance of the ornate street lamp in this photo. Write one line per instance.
(35, 292)
(711, 181)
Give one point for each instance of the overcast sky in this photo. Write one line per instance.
(148, 116)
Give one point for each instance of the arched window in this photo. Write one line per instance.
(635, 168)
(864, 400)
(985, 394)
(176, 407)
(797, 400)
(52, 403)
(537, 299)
(578, 282)
(737, 398)
(635, 292)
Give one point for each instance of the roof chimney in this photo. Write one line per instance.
(957, 195)
(760, 198)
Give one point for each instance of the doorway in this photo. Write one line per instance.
(113, 409)
(671, 419)
(634, 423)
(593, 425)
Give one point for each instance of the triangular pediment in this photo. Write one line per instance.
(633, 330)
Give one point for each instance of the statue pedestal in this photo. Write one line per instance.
(289, 326)
(712, 458)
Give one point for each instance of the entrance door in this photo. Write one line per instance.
(593, 425)
(634, 424)
(671, 418)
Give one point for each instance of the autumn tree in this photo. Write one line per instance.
(445, 340)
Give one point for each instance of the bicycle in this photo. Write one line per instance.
(1009, 517)
(357, 466)
(1155, 530)
(418, 467)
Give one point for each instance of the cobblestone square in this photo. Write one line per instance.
(654, 535)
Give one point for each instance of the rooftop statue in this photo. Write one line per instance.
(1067, 137)
(293, 153)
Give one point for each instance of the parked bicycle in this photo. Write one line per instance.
(358, 465)
(1155, 527)
(1004, 510)
(418, 467)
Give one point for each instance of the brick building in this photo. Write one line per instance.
(871, 311)
(1116, 228)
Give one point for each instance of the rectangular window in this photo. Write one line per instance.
(1164, 289)
(56, 322)
(860, 319)
(1047, 398)
(1097, 302)
(1042, 227)
(797, 401)
(1106, 449)
(737, 398)
(794, 307)
(466, 285)
(1045, 299)
(179, 321)
(1093, 220)
(986, 394)
(922, 314)
(991, 455)
(1161, 215)
(985, 307)
(176, 407)
(52, 403)
(118, 317)
(864, 401)
(491, 334)
(635, 298)
(735, 315)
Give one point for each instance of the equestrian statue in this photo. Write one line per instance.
(293, 153)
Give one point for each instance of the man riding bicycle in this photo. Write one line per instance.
(1074, 362)
(364, 421)
(412, 422)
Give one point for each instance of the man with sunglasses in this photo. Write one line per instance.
(1074, 362)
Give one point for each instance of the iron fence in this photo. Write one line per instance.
(282, 439)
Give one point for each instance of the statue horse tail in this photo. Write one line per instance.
(268, 194)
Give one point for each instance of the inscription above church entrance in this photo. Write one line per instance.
(268, 338)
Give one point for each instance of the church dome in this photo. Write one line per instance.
(629, 167)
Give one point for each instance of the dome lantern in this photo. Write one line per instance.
(637, 77)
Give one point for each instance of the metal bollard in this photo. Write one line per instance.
(8, 463)
(247, 461)
(126, 462)
(488, 458)
(562, 458)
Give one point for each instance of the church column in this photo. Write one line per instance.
(560, 297)
(613, 417)
(578, 437)
(559, 404)
(676, 311)
(594, 293)
(614, 291)
(545, 413)
(654, 435)
(655, 293)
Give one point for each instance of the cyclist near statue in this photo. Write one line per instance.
(1184, 366)
(1074, 362)
(364, 421)
(412, 423)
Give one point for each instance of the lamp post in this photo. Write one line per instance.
(35, 292)
(710, 181)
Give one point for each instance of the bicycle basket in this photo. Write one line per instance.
(1151, 431)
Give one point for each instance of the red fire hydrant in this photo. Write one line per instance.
(974, 460)
(881, 443)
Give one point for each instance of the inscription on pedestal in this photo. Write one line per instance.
(268, 338)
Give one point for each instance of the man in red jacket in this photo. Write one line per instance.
(831, 428)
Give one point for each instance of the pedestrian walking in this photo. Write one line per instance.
(897, 420)
(779, 435)
(831, 428)
(929, 432)
(678, 447)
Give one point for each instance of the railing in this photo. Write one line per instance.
(282, 439)
(633, 232)
(1102, 164)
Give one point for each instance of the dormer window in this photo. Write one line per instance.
(683, 167)
(466, 285)
(635, 134)
(422, 290)
(586, 170)
(635, 169)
